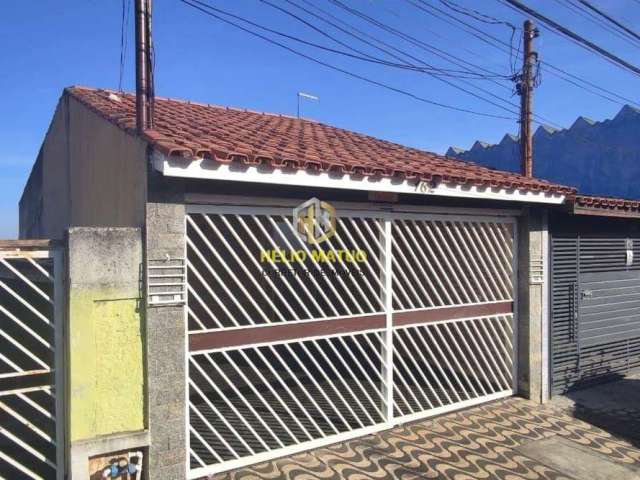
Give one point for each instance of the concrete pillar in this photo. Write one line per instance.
(532, 308)
(104, 347)
(166, 344)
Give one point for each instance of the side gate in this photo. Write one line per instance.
(31, 404)
(595, 309)
(292, 344)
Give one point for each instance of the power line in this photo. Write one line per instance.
(578, 39)
(427, 47)
(562, 74)
(494, 39)
(124, 28)
(430, 69)
(418, 43)
(499, 44)
(479, 34)
(502, 46)
(347, 31)
(591, 17)
(573, 80)
(609, 18)
(342, 70)
(409, 66)
(350, 29)
(434, 33)
(514, 58)
(475, 14)
(413, 41)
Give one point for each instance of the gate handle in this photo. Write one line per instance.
(574, 311)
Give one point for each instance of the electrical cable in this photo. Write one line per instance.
(431, 68)
(342, 70)
(428, 47)
(574, 37)
(475, 14)
(591, 17)
(609, 18)
(416, 42)
(499, 44)
(124, 28)
(437, 77)
(363, 57)
(413, 40)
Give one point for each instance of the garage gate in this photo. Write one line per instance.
(595, 309)
(295, 344)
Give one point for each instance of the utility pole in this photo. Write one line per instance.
(144, 67)
(525, 88)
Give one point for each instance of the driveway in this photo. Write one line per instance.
(508, 439)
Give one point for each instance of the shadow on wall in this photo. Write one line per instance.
(613, 406)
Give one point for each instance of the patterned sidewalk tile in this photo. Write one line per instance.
(485, 442)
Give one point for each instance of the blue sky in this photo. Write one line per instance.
(48, 44)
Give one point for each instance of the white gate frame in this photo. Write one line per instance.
(359, 211)
(59, 301)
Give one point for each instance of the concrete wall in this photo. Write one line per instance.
(166, 344)
(88, 173)
(105, 342)
(531, 307)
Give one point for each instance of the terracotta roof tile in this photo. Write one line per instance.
(196, 130)
(607, 203)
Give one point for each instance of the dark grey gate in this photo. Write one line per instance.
(595, 309)
(609, 308)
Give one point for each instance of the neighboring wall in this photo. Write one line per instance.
(591, 156)
(88, 173)
(105, 344)
(44, 206)
(90, 180)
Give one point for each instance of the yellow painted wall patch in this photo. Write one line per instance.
(106, 364)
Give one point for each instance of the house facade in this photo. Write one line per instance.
(240, 285)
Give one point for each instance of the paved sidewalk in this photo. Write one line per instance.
(508, 439)
(613, 406)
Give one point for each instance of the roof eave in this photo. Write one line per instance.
(175, 166)
(603, 211)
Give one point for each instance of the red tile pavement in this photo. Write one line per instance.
(195, 130)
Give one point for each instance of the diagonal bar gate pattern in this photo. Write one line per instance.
(394, 317)
(30, 403)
